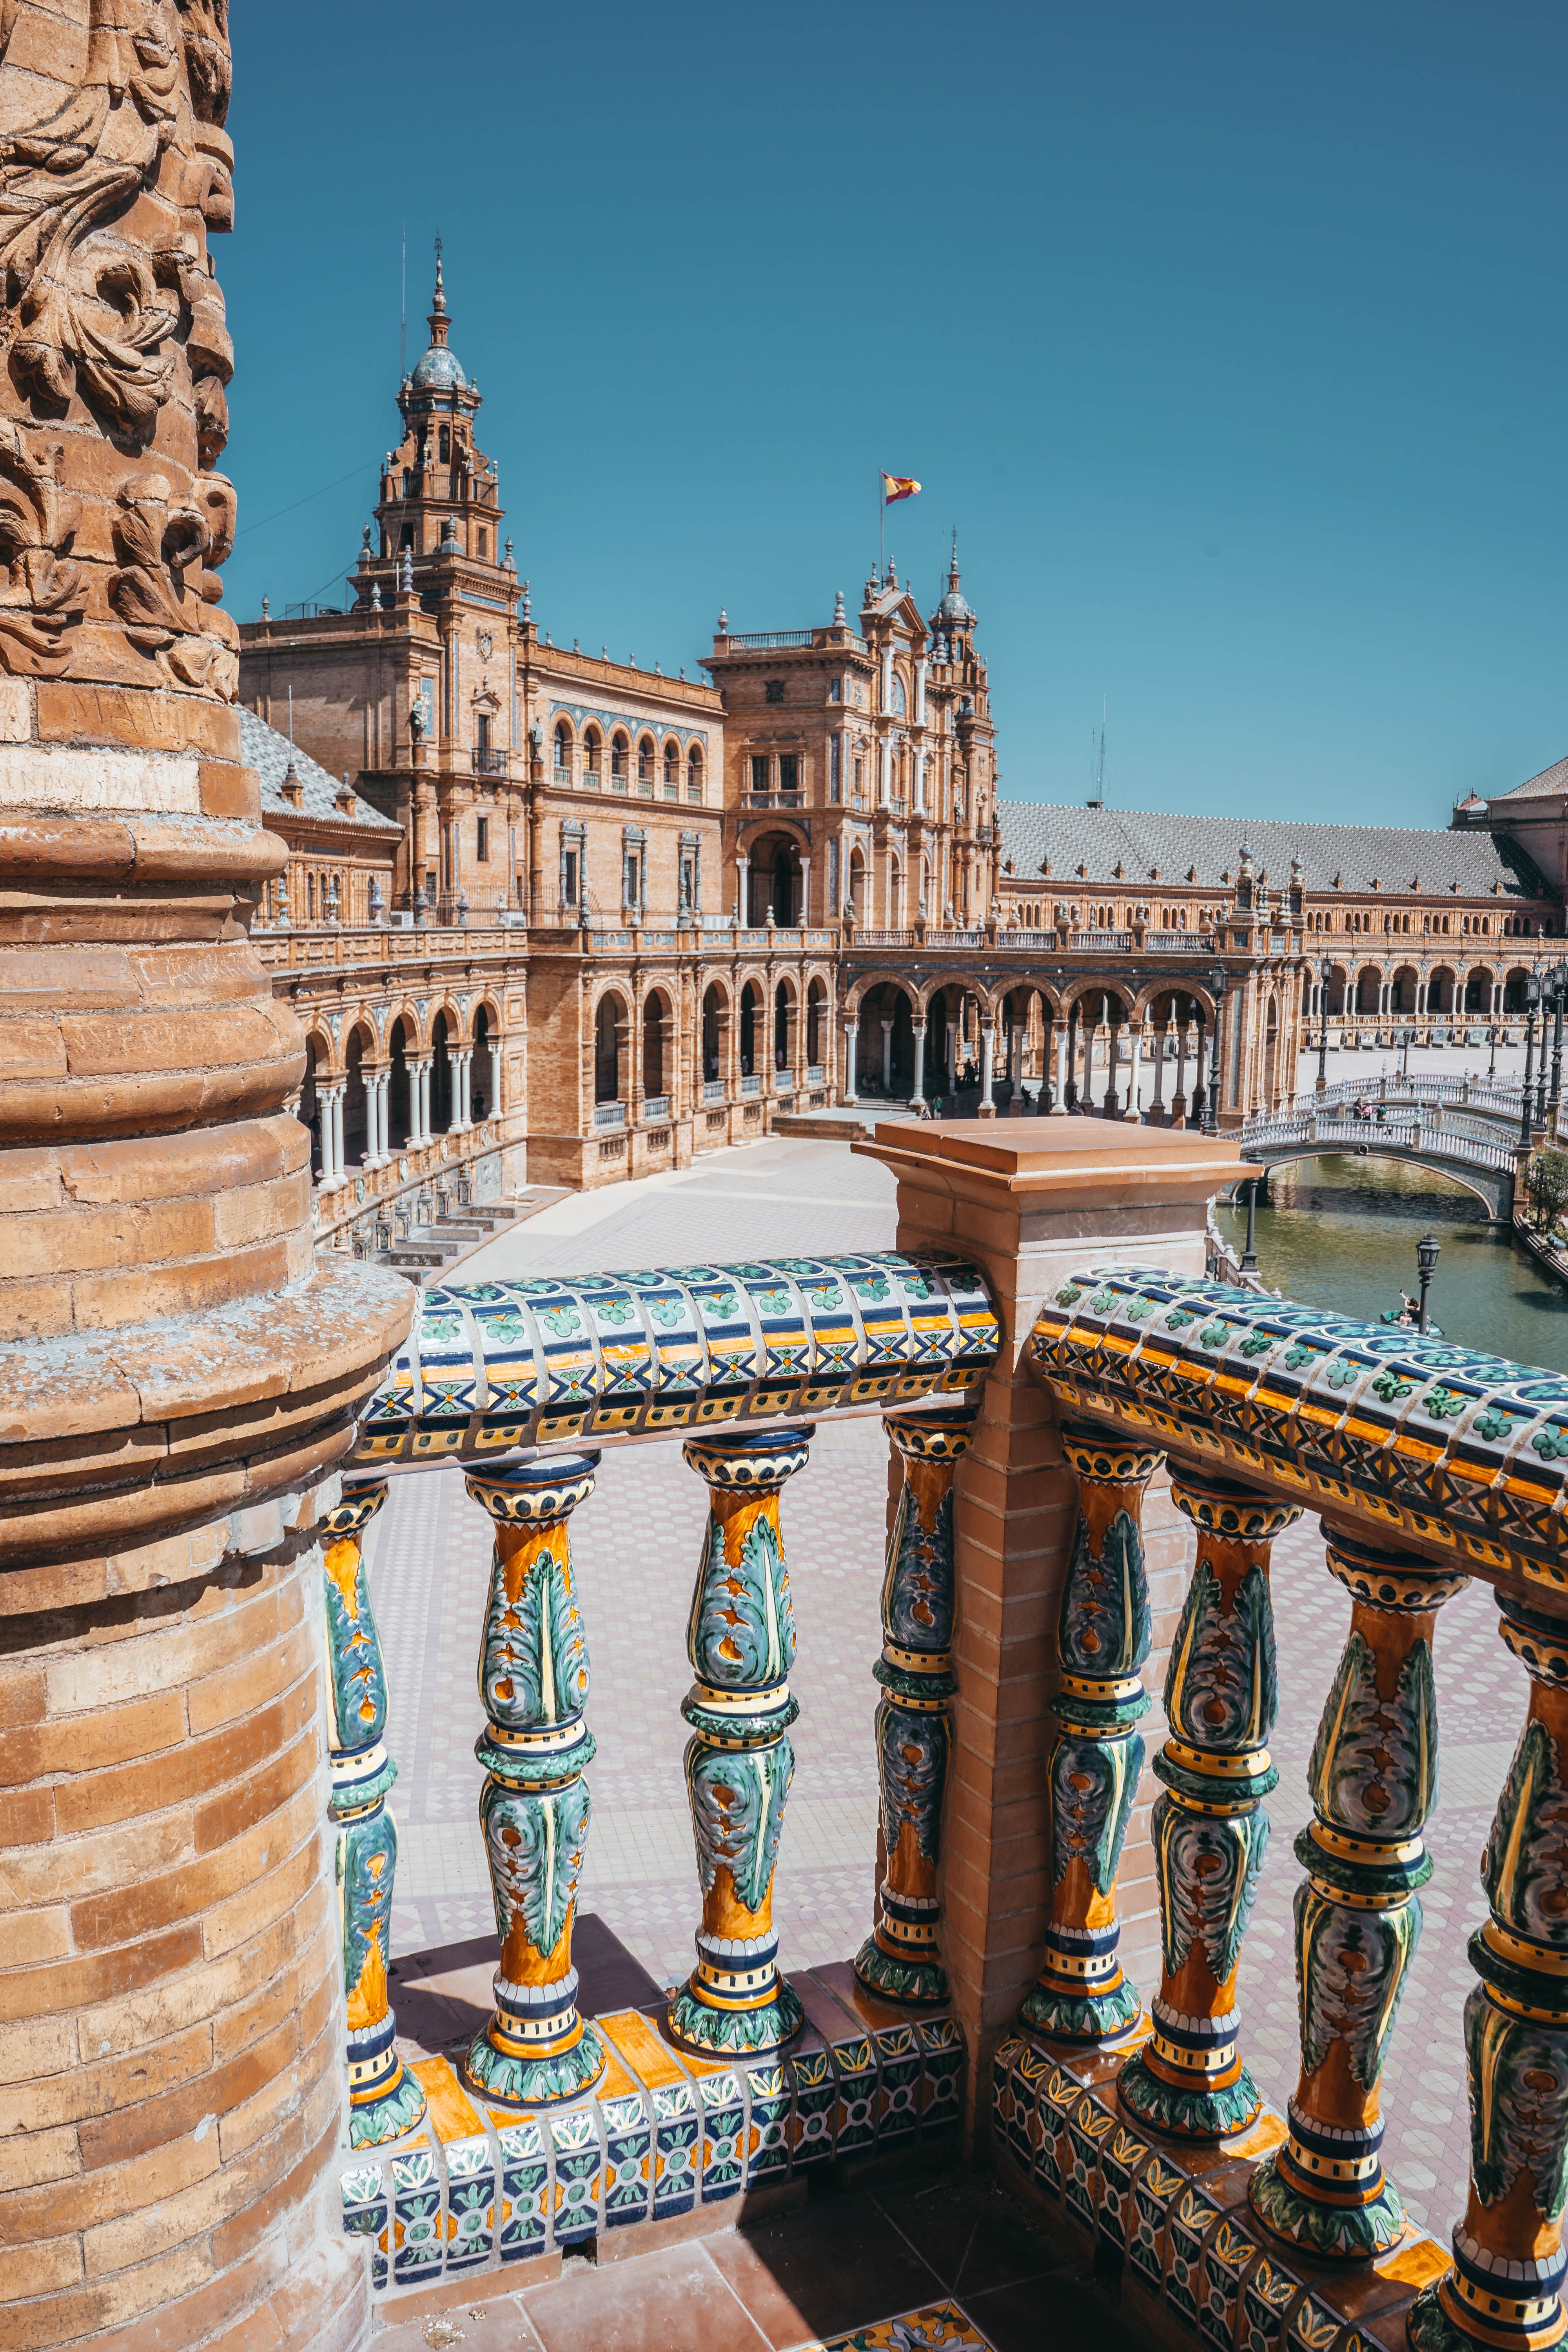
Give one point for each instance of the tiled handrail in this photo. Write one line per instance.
(1455, 1454)
(493, 1367)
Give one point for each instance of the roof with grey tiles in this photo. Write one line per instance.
(263, 749)
(1553, 778)
(1153, 848)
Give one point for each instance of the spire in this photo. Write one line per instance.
(439, 321)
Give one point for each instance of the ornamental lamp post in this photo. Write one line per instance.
(1426, 1250)
(1325, 974)
(1531, 999)
(1249, 1254)
(1559, 994)
(1491, 1066)
(1210, 1109)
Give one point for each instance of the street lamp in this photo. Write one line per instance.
(1491, 1066)
(1249, 1254)
(1426, 1250)
(1210, 1109)
(1527, 1104)
(1325, 974)
(1559, 992)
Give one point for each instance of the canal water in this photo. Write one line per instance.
(1341, 1232)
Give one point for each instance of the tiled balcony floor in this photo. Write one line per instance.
(958, 2264)
(634, 1543)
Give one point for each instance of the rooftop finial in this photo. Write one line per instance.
(837, 605)
(438, 320)
(953, 567)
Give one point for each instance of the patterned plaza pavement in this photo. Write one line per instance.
(636, 1546)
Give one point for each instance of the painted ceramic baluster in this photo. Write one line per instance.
(1505, 2288)
(1373, 1782)
(1210, 1829)
(533, 1808)
(384, 2099)
(738, 1761)
(899, 1960)
(1102, 1641)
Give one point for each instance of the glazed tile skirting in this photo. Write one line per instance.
(474, 2188)
(492, 1366)
(1176, 2217)
(1460, 1455)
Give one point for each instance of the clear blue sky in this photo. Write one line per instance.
(1231, 336)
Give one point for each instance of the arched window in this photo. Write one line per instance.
(900, 705)
(694, 774)
(644, 761)
(562, 750)
(619, 752)
(484, 546)
(444, 446)
(593, 747)
(672, 771)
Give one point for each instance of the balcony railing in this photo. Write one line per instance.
(753, 1084)
(1092, 940)
(1432, 1464)
(712, 1090)
(655, 1106)
(488, 762)
(763, 639)
(609, 1114)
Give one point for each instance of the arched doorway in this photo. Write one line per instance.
(774, 879)
(440, 1079)
(398, 1106)
(482, 1067)
(815, 1015)
(784, 1039)
(653, 1028)
(749, 1006)
(356, 1110)
(885, 1055)
(715, 1023)
(609, 1019)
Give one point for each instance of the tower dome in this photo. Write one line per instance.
(438, 370)
(954, 610)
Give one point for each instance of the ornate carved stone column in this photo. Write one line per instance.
(738, 1761)
(1505, 2288)
(1102, 1640)
(1373, 1782)
(384, 2099)
(534, 1808)
(899, 1959)
(1210, 1829)
(164, 1498)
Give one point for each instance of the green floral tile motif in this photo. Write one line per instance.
(1550, 1443)
(1257, 1343)
(1492, 1425)
(1297, 1355)
(1391, 1388)
(1444, 1405)
(1215, 1336)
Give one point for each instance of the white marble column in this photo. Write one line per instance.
(886, 1057)
(338, 1126)
(1157, 1099)
(371, 1081)
(951, 1028)
(851, 1041)
(495, 1079)
(1132, 1110)
(325, 1097)
(919, 1029)
(988, 1056)
(1059, 1105)
(804, 892)
(427, 1071)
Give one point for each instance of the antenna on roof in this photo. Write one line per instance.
(1097, 788)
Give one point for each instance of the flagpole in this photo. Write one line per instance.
(881, 526)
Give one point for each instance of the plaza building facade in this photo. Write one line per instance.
(552, 916)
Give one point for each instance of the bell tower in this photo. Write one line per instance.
(439, 494)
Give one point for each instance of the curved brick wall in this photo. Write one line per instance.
(179, 1380)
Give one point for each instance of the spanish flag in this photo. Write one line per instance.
(898, 485)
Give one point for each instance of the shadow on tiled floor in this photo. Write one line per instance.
(841, 2262)
(443, 1995)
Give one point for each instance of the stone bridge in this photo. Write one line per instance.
(1474, 1149)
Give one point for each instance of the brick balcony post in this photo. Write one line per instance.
(1032, 1201)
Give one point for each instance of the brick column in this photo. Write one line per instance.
(1032, 1201)
(182, 1375)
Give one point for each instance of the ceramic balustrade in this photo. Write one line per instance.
(384, 2099)
(534, 1806)
(1210, 1830)
(899, 1959)
(738, 1761)
(1104, 1638)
